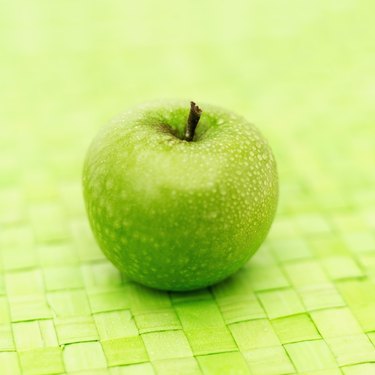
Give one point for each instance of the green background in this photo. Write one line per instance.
(303, 71)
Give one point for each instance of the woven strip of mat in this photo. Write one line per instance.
(304, 304)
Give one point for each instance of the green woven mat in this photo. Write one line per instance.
(303, 71)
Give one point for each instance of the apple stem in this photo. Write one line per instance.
(194, 116)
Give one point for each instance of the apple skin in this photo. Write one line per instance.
(178, 215)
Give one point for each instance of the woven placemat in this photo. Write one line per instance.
(302, 71)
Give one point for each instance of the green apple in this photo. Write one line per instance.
(176, 204)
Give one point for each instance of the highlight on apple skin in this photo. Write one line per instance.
(174, 210)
